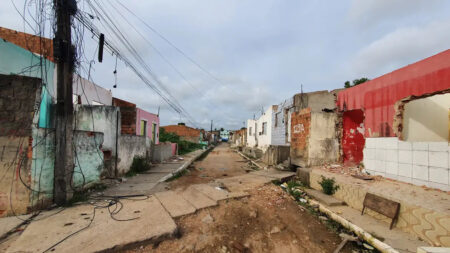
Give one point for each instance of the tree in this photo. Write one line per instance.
(221, 129)
(355, 82)
(347, 85)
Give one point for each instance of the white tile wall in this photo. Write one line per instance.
(439, 175)
(420, 172)
(392, 168)
(405, 170)
(438, 159)
(405, 156)
(420, 157)
(404, 145)
(421, 163)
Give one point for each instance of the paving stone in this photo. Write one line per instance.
(323, 198)
(103, 234)
(175, 204)
(197, 199)
(212, 192)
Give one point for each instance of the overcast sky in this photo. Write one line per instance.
(261, 51)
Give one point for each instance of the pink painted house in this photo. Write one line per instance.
(147, 124)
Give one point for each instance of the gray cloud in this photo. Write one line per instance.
(405, 45)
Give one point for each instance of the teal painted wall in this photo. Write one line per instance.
(88, 162)
(18, 61)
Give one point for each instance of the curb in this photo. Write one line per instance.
(184, 166)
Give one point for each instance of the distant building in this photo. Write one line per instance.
(136, 121)
(186, 133)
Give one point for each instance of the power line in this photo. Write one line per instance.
(172, 45)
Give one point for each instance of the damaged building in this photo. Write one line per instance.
(398, 124)
(315, 131)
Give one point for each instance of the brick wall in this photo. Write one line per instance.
(186, 133)
(128, 114)
(300, 133)
(35, 44)
(17, 106)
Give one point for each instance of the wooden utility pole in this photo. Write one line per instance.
(64, 54)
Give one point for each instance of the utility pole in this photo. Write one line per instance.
(64, 54)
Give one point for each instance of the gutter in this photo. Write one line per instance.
(379, 245)
(184, 166)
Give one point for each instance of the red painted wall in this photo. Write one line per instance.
(353, 137)
(378, 96)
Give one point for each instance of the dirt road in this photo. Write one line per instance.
(219, 163)
(269, 220)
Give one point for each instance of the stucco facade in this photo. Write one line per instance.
(151, 126)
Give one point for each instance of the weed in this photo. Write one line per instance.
(178, 175)
(328, 185)
(140, 164)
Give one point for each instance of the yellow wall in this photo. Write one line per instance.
(427, 119)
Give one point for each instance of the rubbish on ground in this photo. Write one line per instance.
(303, 200)
(275, 230)
(345, 239)
(208, 219)
(284, 185)
(367, 246)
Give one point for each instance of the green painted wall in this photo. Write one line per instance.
(18, 61)
(88, 162)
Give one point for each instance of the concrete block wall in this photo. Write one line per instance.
(162, 152)
(129, 147)
(419, 163)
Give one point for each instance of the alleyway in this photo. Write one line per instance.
(267, 220)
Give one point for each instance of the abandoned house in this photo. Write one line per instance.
(398, 124)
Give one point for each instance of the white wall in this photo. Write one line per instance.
(264, 140)
(257, 139)
(420, 163)
(279, 131)
(251, 141)
(91, 94)
(427, 119)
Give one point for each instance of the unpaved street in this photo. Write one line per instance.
(219, 163)
(269, 220)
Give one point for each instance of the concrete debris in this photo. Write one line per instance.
(253, 214)
(323, 218)
(208, 219)
(224, 249)
(275, 230)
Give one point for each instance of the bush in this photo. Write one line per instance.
(328, 186)
(140, 164)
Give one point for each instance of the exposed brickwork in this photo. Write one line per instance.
(19, 99)
(35, 44)
(18, 104)
(300, 132)
(186, 133)
(128, 114)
